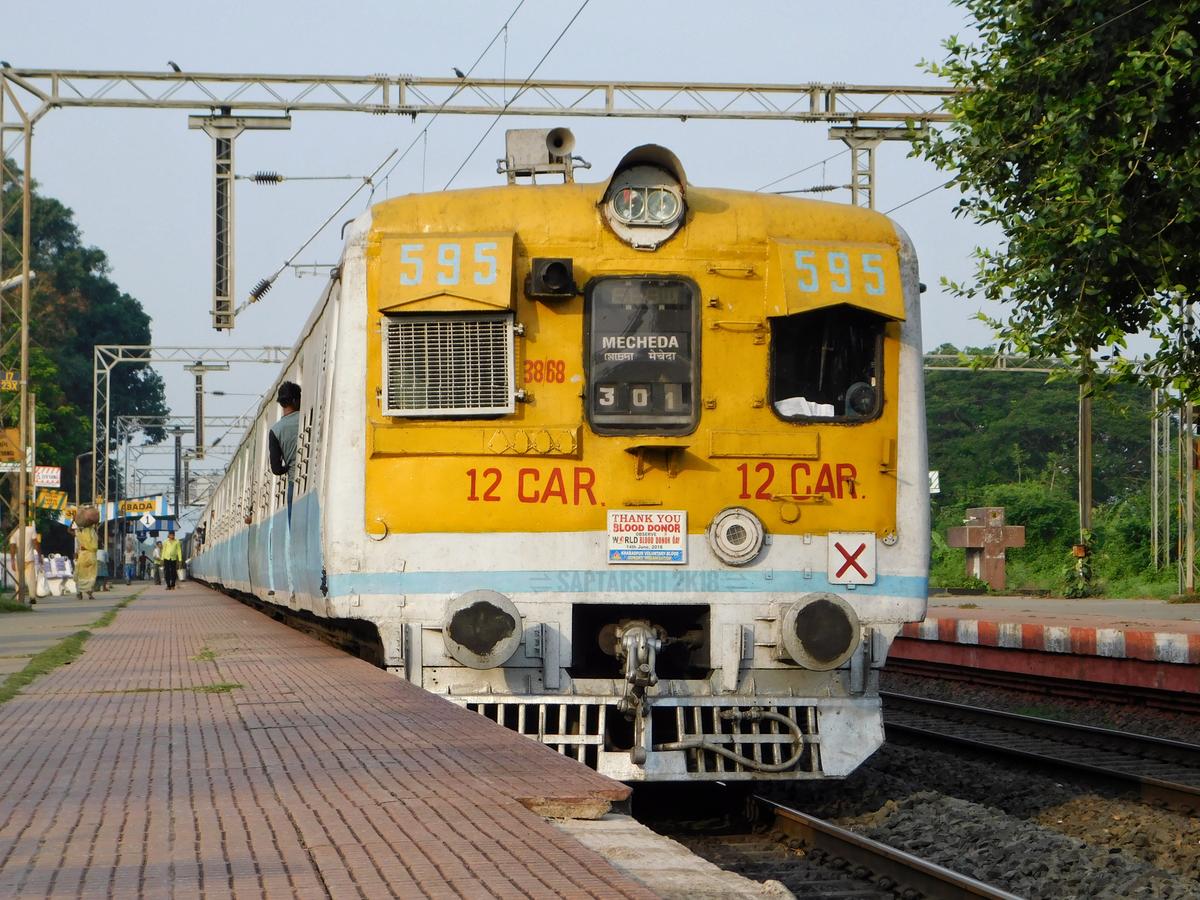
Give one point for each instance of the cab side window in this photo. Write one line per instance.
(826, 364)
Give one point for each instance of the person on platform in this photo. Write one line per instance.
(102, 570)
(86, 544)
(146, 548)
(172, 556)
(156, 561)
(31, 553)
(130, 562)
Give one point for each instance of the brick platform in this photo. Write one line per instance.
(199, 749)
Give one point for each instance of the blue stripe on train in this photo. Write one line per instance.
(622, 581)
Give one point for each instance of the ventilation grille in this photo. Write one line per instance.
(448, 365)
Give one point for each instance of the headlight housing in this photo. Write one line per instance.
(481, 629)
(820, 631)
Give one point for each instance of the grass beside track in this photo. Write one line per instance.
(65, 651)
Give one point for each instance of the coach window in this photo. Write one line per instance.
(826, 364)
(642, 355)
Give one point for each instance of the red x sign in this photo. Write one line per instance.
(851, 557)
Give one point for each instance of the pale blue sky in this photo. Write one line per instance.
(140, 181)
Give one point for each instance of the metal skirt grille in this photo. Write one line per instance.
(581, 729)
(573, 729)
(448, 365)
(767, 742)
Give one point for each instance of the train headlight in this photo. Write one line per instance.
(645, 201)
(663, 205)
(629, 205)
(481, 629)
(820, 631)
(736, 535)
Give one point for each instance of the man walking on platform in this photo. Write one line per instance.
(172, 556)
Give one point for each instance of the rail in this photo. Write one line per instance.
(930, 879)
(1163, 770)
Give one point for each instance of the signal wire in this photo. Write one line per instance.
(516, 94)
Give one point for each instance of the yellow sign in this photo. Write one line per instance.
(445, 273)
(10, 444)
(138, 506)
(803, 276)
(50, 499)
(9, 380)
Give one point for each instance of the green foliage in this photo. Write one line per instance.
(74, 306)
(1079, 575)
(991, 427)
(1075, 136)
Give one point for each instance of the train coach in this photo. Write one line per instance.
(636, 467)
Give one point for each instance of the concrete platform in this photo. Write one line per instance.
(25, 634)
(198, 748)
(1140, 643)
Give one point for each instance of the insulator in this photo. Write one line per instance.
(267, 178)
(261, 288)
(822, 188)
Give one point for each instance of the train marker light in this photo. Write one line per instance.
(550, 278)
(481, 629)
(736, 535)
(820, 632)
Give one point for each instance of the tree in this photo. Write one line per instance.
(980, 423)
(1076, 135)
(74, 306)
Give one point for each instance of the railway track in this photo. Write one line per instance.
(815, 858)
(1162, 770)
(1168, 701)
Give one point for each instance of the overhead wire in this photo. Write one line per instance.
(820, 162)
(265, 284)
(503, 29)
(516, 94)
(1057, 48)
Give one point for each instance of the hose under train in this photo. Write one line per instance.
(753, 715)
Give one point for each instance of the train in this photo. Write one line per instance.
(634, 467)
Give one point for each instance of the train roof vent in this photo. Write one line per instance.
(455, 365)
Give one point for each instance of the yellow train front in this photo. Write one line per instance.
(636, 468)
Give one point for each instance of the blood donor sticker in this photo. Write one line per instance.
(647, 536)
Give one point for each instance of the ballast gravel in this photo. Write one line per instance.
(1011, 853)
(1037, 827)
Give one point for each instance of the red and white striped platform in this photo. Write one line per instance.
(1142, 643)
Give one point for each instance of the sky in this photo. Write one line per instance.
(140, 182)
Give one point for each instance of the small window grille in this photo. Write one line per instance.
(448, 365)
